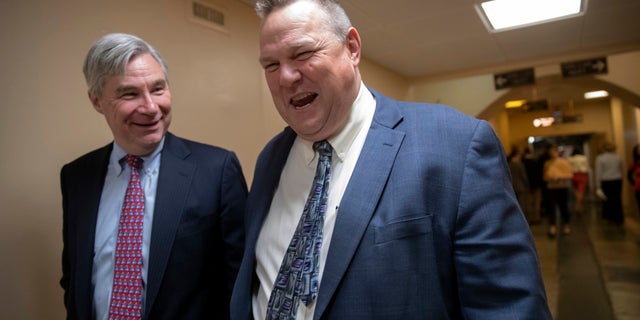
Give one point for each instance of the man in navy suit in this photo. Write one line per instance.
(195, 194)
(421, 220)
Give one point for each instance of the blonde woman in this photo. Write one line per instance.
(557, 174)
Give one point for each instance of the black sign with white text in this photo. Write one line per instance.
(584, 67)
(514, 78)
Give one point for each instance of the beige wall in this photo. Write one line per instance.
(219, 94)
(473, 93)
(47, 119)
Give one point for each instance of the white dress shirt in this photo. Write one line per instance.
(115, 186)
(291, 195)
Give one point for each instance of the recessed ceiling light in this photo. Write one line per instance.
(596, 94)
(501, 15)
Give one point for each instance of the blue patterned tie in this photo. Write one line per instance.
(297, 279)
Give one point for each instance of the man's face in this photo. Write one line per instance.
(312, 75)
(137, 105)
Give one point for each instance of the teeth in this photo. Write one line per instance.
(303, 99)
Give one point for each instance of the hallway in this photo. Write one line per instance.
(593, 273)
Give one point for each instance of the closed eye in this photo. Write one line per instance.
(128, 95)
(158, 90)
(271, 67)
(159, 87)
(304, 55)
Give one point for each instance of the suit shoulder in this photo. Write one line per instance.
(197, 147)
(201, 154)
(91, 156)
(204, 147)
(436, 110)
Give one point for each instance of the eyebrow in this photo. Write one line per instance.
(290, 51)
(127, 88)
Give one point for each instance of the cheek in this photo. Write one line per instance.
(272, 83)
(163, 102)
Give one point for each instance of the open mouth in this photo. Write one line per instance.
(147, 125)
(303, 99)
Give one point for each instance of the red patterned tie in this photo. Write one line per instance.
(126, 294)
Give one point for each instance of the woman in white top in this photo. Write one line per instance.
(609, 171)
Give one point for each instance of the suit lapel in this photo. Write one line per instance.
(361, 196)
(174, 180)
(92, 182)
(269, 167)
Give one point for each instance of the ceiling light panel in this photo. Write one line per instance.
(501, 15)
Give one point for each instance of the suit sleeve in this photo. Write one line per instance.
(495, 257)
(234, 194)
(64, 281)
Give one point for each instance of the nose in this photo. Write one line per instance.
(289, 75)
(147, 104)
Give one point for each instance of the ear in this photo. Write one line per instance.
(353, 45)
(95, 101)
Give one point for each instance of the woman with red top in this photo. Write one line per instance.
(580, 165)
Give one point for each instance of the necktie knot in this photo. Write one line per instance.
(323, 147)
(134, 162)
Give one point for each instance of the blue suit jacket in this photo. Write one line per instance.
(197, 235)
(428, 227)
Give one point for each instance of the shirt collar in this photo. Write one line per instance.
(362, 111)
(117, 157)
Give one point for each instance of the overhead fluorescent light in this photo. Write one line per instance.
(501, 15)
(596, 94)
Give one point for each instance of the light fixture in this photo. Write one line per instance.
(514, 104)
(543, 122)
(596, 94)
(501, 15)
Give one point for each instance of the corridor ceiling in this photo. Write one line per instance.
(447, 38)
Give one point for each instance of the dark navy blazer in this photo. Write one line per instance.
(197, 235)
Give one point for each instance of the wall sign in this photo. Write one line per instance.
(584, 67)
(514, 78)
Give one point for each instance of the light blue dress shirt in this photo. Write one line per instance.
(115, 185)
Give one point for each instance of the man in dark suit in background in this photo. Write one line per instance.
(192, 234)
(421, 220)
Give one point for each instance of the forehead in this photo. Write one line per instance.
(140, 70)
(292, 26)
(142, 65)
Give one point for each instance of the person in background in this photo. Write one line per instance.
(580, 166)
(610, 169)
(558, 174)
(534, 176)
(633, 173)
(413, 213)
(520, 181)
(544, 204)
(173, 250)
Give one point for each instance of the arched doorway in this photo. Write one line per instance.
(615, 118)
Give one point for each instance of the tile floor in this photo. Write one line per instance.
(594, 271)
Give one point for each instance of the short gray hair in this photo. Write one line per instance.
(109, 56)
(334, 15)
